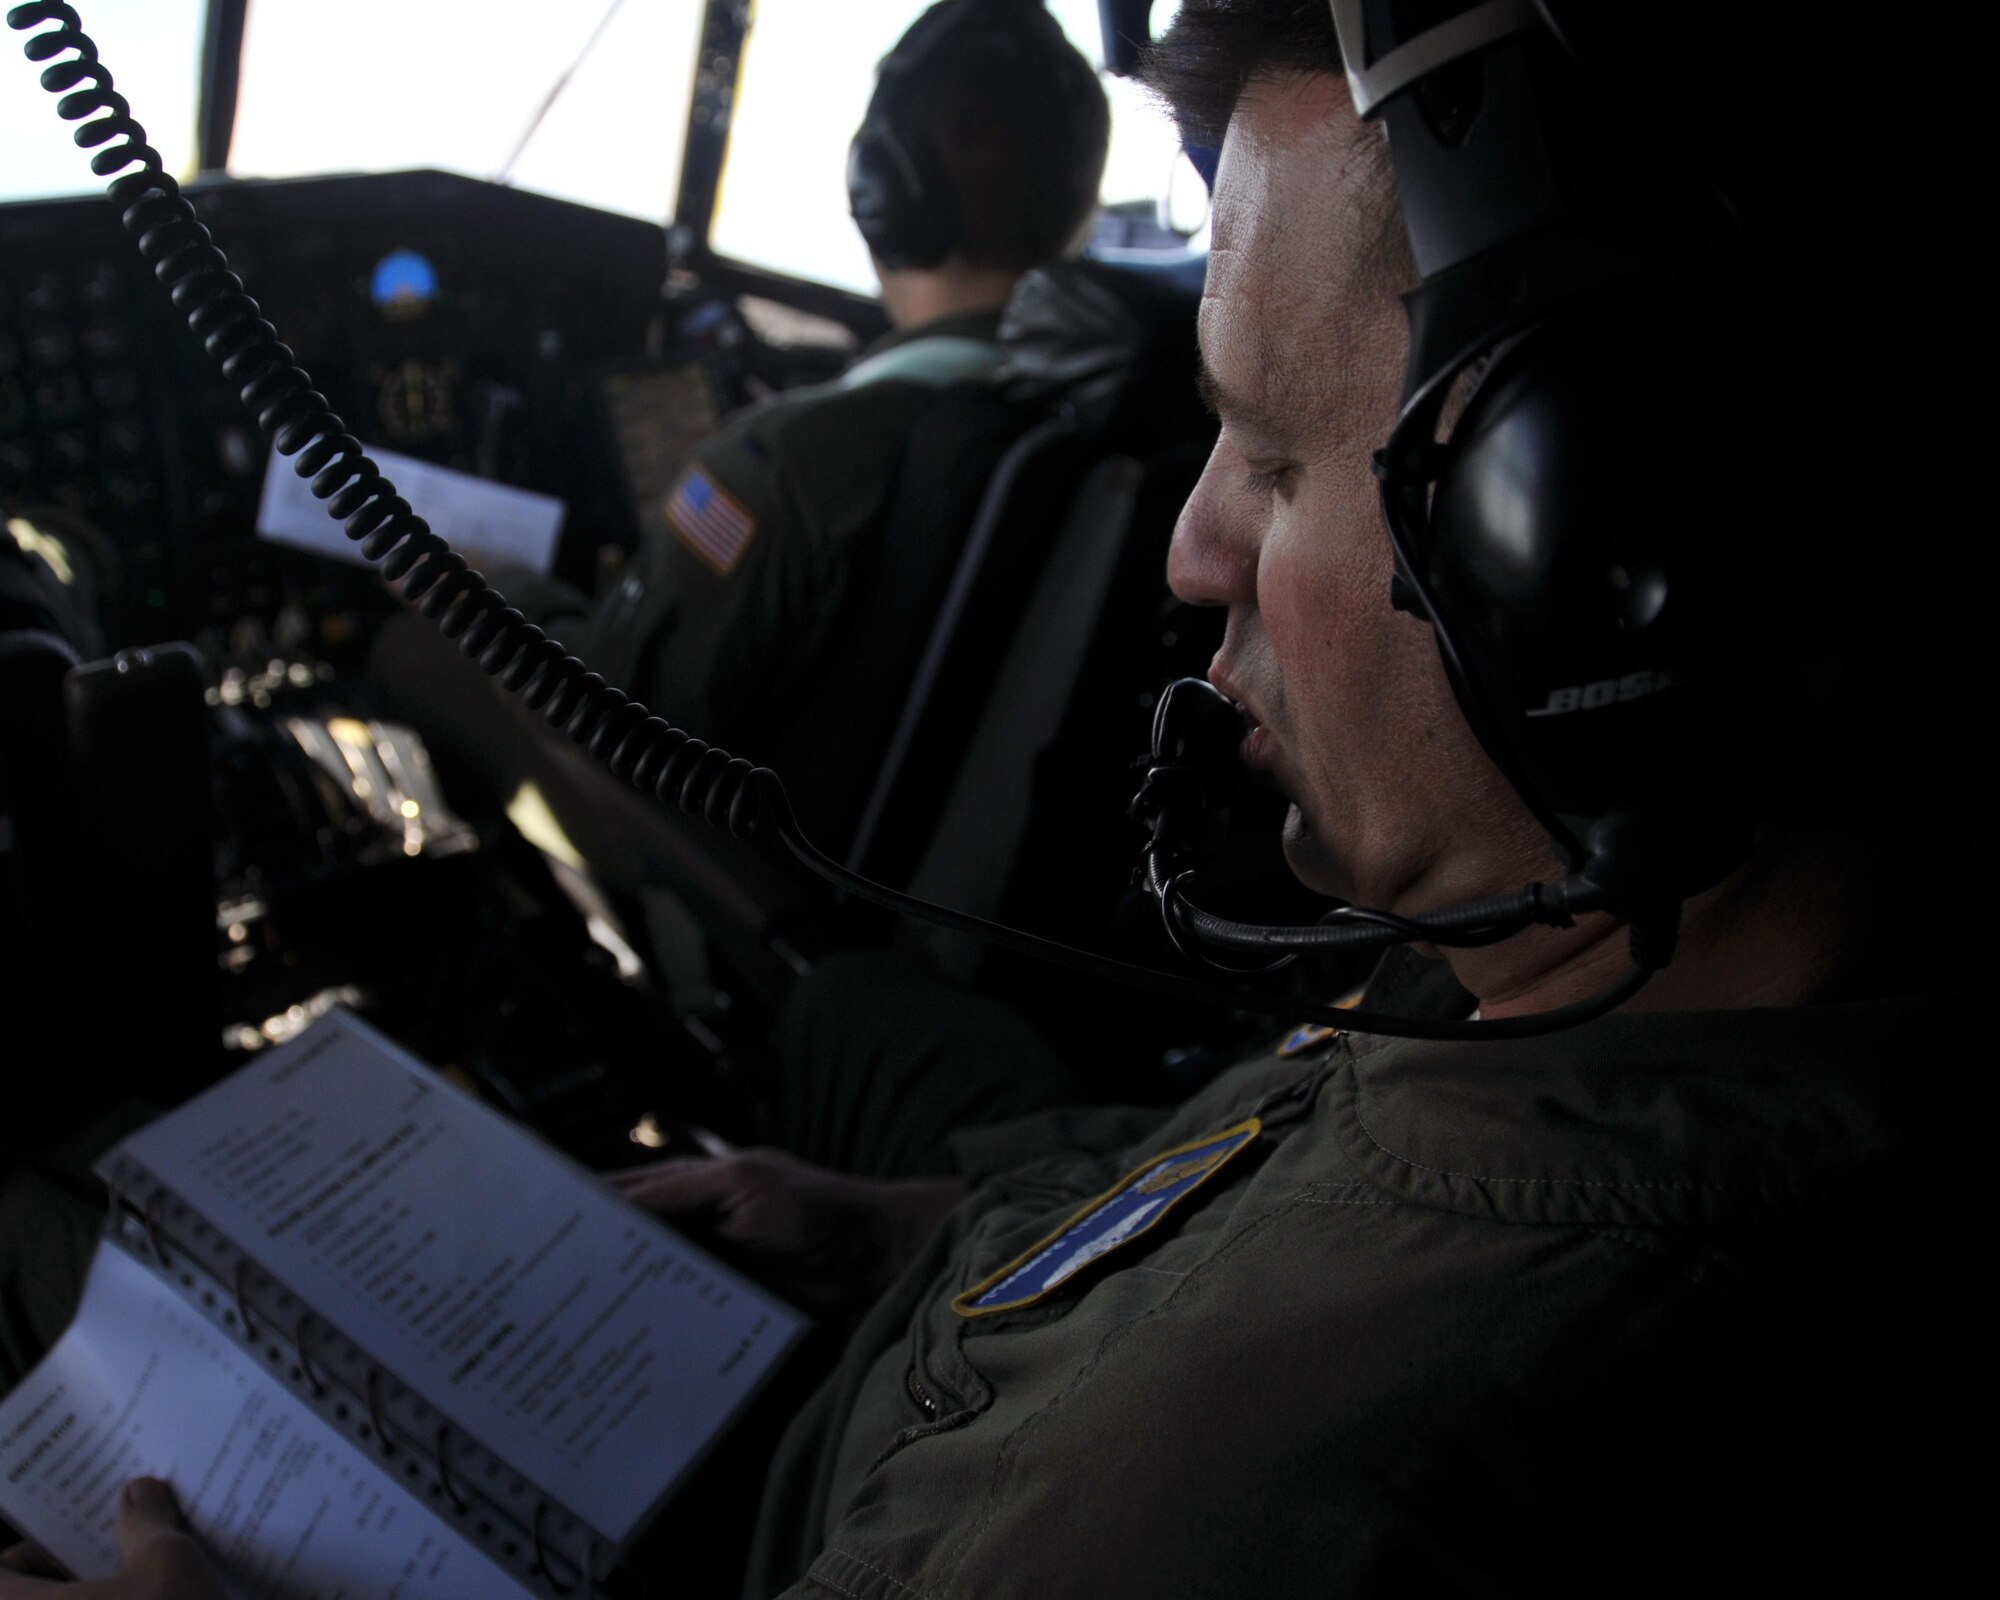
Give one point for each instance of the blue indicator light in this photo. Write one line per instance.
(405, 283)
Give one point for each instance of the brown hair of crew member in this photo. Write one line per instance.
(1020, 126)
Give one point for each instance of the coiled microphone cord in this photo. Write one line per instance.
(638, 747)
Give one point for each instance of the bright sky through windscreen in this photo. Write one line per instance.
(375, 85)
(381, 85)
(808, 70)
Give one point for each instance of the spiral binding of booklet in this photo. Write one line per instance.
(543, 1544)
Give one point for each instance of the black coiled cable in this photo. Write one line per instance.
(638, 747)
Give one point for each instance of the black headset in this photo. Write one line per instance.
(898, 191)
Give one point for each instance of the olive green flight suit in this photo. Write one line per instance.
(1637, 1308)
(724, 607)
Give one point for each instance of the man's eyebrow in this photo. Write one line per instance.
(1254, 416)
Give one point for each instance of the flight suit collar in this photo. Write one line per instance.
(984, 325)
(1647, 1120)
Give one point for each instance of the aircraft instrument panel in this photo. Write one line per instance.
(445, 318)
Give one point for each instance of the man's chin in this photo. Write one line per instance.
(1311, 861)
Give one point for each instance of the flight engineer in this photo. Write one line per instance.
(978, 162)
(1615, 1309)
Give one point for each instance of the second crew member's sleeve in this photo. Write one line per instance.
(688, 584)
(743, 566)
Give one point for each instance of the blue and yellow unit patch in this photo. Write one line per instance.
(709, 520)
(1132, 1208)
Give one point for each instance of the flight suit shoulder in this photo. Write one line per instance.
(753, 549)
(824, 459)
(797, 467)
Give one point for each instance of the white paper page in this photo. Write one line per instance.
(481, 519)
(565, 1330)
(141, 1385)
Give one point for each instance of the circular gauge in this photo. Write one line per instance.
(416, 399)
(404, 286)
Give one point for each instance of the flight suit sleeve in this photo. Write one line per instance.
(743, 567)
(658, 633)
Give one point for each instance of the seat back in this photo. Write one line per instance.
(828, 740)
(984, 817)
(1067, 549)
(1007, 543)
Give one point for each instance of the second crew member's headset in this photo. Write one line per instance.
(898, 190)
(1547, 538)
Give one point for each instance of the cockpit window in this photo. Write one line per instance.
(153, 48)
(1153, 198)
(588, 102)
(808, 70)
(375, 85)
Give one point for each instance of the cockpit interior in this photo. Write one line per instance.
(535, 262)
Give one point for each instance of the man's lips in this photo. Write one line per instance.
(1260, 746)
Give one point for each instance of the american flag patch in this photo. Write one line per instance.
(710, 520)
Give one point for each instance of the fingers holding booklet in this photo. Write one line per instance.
(828, 1241)
(143, 1384)
(381, 1342)
(158, 1558)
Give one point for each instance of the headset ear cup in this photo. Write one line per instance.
(897, 189)
(899, 198)
(1589, 553)
(871, 184)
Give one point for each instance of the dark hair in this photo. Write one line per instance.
(1020, 125)
(1217, 48)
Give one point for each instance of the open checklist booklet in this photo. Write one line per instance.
(384, 1344)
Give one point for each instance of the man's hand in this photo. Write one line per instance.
(158, 1557)
(827, 1242)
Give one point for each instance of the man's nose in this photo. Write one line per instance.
(1213, 558)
